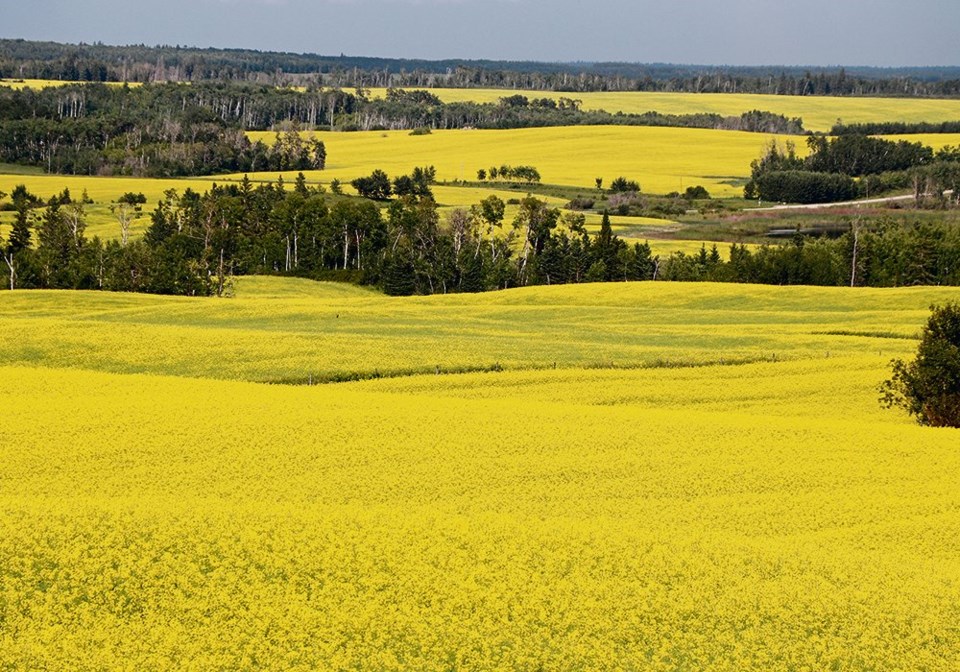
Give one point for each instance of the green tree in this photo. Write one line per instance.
(929, 386)
(375, 186)
(18, 243)
(127, 208)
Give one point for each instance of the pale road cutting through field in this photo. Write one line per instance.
(838, 204)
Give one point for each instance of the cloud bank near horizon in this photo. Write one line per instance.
(737, 32)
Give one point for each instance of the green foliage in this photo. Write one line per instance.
(131, 198)
(622, 185)
(799, 186)
(929, 386)
(508, 173)
(826, 173)
(161, 130)
(858, 155)
(695, 193)
(375, 186)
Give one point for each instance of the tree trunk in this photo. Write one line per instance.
(220, 275)
(13, 273)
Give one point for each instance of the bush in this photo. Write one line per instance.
(697, 192)
(622, 184)
(581, 203)
(929, 386)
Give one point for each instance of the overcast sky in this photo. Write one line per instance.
(722, 32)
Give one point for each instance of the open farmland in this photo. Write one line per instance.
(661, 159)
(760, 516)
(819, 113)
(283, 329)
(50, 83)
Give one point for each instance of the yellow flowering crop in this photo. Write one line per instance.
(755, 516)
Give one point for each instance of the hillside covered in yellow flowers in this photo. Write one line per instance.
(640, 476)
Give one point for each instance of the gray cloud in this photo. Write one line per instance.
(815, 32)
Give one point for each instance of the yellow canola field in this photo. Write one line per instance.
(935, 140)
(332, 331)
(52, 83)
(766, 516)
(421, 525)
(819, 113)
(660, 159)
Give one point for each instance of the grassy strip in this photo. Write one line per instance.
(659, 363)
(868, 334)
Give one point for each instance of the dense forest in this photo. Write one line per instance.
(140, 63)
(197, 242)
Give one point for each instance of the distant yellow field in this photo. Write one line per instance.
(819, 113)
(50, 83)
(935, 140)
(661, 159)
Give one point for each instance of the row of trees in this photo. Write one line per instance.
(378, 187)
(886, 254)
(401, 110)
(140, 63)
(508, 173)
(196, 242)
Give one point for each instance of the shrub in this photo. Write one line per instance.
(622, 184)
(929, 386)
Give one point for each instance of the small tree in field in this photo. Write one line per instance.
(929, 386)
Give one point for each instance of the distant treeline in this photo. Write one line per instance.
(165, 130)
(196, 243)
(852, 166)
(155, 131)
(402, 109)
(140, 63)
(896, 128)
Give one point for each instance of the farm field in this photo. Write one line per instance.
(767, 515)
(935, 140)
(324, 330)
(48, 83)
(661, 159)
(819, 113)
